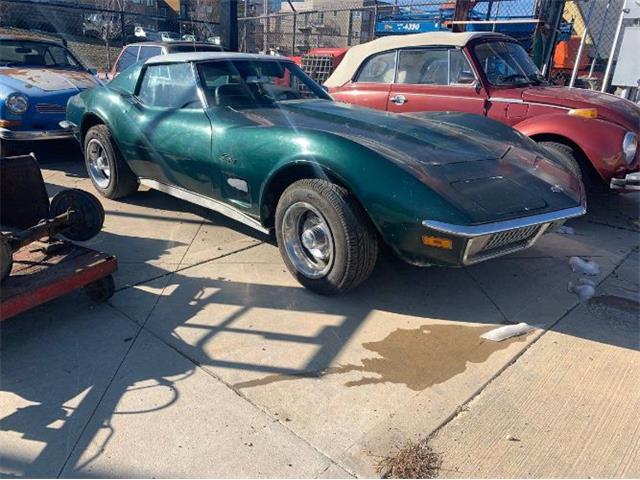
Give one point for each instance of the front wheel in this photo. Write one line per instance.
(325, 238)
(109, 173)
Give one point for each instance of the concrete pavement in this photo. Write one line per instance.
(211, 360)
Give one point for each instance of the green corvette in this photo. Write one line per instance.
(255, 139)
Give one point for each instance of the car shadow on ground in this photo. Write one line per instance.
(59, 361)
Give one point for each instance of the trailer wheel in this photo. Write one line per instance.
(88, 213)
(101, 290)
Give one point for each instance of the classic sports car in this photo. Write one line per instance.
(490, 74)
(37, 77)
(253, 137)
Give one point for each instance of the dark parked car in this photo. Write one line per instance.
(253, 137)
(137, 52)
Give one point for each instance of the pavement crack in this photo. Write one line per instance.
(486, 294)
(187, 267)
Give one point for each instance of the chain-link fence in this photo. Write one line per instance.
(579, 33)
(96, 32)
(551, 31)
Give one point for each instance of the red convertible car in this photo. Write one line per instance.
(489, 74)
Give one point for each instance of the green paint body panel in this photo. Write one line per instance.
(450, 167)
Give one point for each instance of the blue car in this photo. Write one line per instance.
(37, 77)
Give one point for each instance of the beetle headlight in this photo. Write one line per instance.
(629, 147)
(17, 103)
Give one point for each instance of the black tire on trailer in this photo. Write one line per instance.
(101, 290)
(88, 216)
(107, 169)
(325, 238)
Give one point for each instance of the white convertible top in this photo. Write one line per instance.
(357, 54)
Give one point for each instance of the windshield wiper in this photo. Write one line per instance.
(538, 79)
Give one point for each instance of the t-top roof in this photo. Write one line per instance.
(203, 56)
(357, 54)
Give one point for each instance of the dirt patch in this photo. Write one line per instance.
(411, 460)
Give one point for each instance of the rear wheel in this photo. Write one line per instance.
(325, 238)
(109, 173)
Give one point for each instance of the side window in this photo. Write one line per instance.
(434, 66)
(129, 57)
(425, 66)
(148, 52)
(380, 68)
(169, 86)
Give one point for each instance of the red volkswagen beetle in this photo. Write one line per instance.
(492, 75)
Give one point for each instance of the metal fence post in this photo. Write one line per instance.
(123, 34)
(576, 62)
(294, 27)
(604, 22)
(605, 80)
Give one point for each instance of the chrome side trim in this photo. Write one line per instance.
(23, 136)
(470, 231)
(210, 203)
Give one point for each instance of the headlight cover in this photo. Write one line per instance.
(629, 147)
(17, 103)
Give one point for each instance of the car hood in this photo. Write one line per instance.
(40, 80)
(432, 142)
(487, 179)
(610, 107)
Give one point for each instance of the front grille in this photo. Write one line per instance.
(50, 108)
(510, 237)
(501, 243)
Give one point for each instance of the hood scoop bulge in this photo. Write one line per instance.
(498, 194)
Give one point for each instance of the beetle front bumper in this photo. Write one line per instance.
(631, 181)
(461, 245)
(30, 135)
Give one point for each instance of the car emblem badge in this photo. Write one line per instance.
(557, 189)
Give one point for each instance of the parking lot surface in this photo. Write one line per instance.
(210, 360)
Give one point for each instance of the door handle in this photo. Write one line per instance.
(399, 99)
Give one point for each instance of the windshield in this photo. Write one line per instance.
(256, 83)
(507, 64)
(29, 53)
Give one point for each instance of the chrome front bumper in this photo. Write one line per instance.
(23, 136)
(631, 181)
(491, 240)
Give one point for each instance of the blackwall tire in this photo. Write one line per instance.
(109, 173)
(325, 238)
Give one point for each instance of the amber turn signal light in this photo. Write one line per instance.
(10, 123)
(437, 242)
(584, 112)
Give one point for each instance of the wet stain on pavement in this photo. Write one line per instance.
(627, 305)
(418, 358)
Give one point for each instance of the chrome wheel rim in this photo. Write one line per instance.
(99, 168)
(308, 240)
